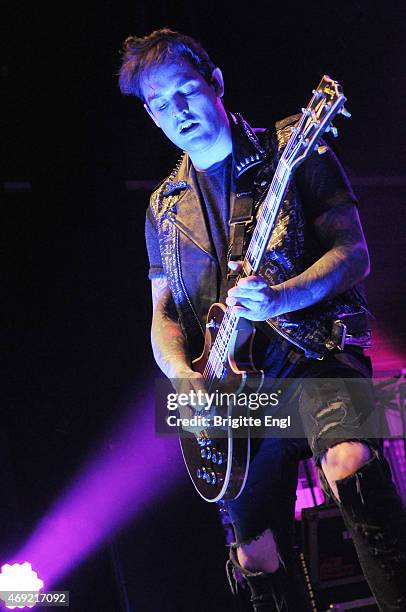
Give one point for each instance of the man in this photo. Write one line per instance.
(320, 253)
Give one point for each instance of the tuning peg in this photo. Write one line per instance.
(345, 112)
(333, 130)
(318, 94)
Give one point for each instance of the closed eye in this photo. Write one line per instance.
(158, 105)
(190, 88)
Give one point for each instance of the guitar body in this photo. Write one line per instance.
(218, 462)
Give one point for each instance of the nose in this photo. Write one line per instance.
(179, 105)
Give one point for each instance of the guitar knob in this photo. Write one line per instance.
(219, 459)
(213, 478)
(214, 458)
(208, 453)
(203, 453)
(199, 473)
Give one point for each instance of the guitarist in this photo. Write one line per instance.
(320, 254)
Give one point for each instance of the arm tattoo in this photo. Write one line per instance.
(344, 263)
(168, 341)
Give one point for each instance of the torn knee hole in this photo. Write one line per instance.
(259, 553)
(332, 406)
(256, 538)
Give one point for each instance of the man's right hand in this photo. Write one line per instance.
(185, 380)
(170, 348)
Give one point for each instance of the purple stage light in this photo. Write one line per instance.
(308, 493)
(387, 354)
(125, 479)
(19, 578)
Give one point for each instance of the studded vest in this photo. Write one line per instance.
(191, 266)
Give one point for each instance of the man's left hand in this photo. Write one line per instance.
(253, 299)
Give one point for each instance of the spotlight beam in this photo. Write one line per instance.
(121, 482)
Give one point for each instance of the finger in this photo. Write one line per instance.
(192, 384)
(198, 386)
(253, 293)
(242, 311)
(252, 282)
(246, 302)
(248, 311)
(187, 382)
(185, 412)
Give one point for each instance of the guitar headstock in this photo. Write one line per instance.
(327, 101)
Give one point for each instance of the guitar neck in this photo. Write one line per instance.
(266, 221)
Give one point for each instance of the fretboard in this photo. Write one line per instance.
(266, 220)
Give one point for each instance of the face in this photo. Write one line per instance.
(187, 109)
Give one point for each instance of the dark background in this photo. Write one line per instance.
(76, 303)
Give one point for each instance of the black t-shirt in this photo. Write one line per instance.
(323, 184)
(215, 184)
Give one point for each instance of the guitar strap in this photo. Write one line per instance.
(241, 216)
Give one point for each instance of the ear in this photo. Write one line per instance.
(218, 82)
(150, 113)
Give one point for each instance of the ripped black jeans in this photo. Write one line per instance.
(270, 491)
(369, 503)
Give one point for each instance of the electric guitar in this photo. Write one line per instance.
(217, 459)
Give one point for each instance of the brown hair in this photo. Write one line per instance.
(160, 47)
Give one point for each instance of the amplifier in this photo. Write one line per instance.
(328, 548)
